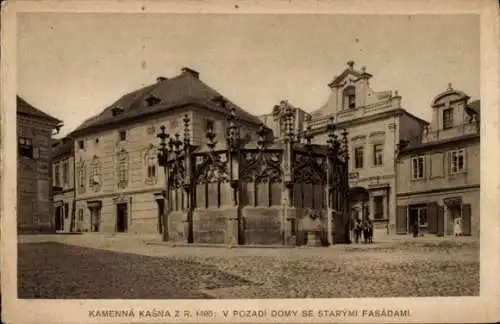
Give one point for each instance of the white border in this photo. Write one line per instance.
(462, 309)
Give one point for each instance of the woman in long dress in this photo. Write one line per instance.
(458, 227)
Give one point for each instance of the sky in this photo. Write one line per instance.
(73, 65)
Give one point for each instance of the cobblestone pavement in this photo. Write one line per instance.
(97, 267)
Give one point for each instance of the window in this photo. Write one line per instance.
(57, 181)
(358, 157)
(448, 118)
(209, 125)
(81, 144)
(25, 147)
(80, 215)
(417, 167)
(95, 174)
(81, 173)
(152, 100)
(65, 172)
(349, 97)
(378, 203)
(457, 161)
(151, 160)
(123, 135)
(378, 154)
(122, 169)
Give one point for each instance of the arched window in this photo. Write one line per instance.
(349, 97)
(122, 168)
(151, 160)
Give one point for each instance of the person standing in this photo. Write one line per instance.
(457, 229)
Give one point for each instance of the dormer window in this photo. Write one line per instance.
(123, 135)
(152, 100)
(448, 118)
(349, 97)
(117, 110)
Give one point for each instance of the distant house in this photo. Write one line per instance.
(376, 122)
(439, 177)
(34, 168)
(63, 166)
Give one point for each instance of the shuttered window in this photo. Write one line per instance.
(432, 217)
(401, 220)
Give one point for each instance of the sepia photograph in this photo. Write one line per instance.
(246, 156)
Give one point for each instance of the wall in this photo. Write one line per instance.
(436, 170)
(469, 196)
(141, 142)
(35, 209)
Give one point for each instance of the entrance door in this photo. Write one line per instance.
(121, 218)
(59, 218)
(161, 210)
(456, 220)
(95, 214)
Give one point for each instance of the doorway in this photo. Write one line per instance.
(95, 214)
(59, 219)
(418, 218)
(121, 218)
(161, 210)
(454, 220)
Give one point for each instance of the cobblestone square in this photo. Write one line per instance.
(109, 269)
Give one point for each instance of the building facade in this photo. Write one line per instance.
(34, 168)
(376, 123)
(439, 176)
(275, 120)
(63, 176)
(119, 185)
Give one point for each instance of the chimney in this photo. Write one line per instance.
(396, 100)
(192, 72)
(161, 79)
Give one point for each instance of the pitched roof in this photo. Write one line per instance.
(415, 145)
(23, 107)
(62, 147)
(178, 91)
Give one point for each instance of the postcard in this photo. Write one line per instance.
(249, 161)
